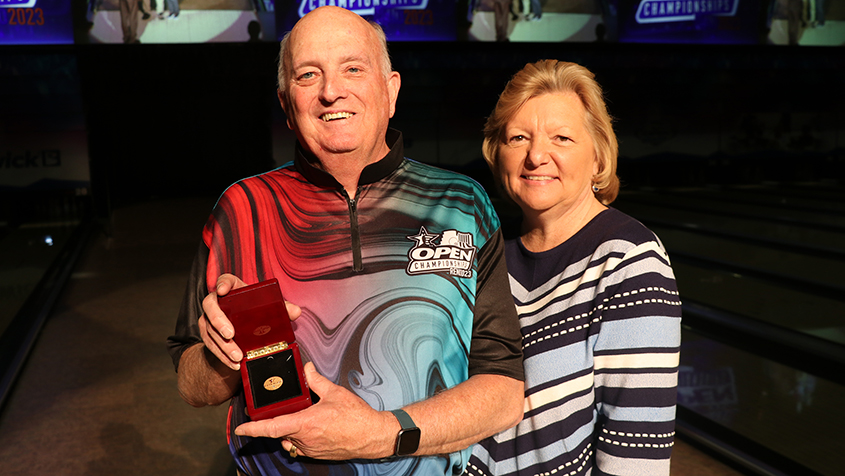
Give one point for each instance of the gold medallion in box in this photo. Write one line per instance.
(272, 374)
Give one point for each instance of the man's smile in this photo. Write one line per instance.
(336, 115)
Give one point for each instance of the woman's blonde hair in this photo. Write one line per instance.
(552, 77)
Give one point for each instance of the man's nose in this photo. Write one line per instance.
(333, 88)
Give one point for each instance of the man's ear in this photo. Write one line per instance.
(394, 82)
(284, 102)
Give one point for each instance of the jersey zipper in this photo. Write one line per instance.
(357, 262)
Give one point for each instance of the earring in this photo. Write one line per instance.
(595, 188)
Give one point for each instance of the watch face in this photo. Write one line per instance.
(408, 442)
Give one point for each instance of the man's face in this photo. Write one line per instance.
(338, 100)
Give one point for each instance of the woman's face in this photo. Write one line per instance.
(547, 161)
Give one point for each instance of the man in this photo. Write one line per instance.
(501, 17)
(351, 229)
(129, 19)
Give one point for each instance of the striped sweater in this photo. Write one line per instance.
(600, 318)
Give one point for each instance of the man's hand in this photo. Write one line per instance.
(216, 329)
(340, 426)
(208, 372)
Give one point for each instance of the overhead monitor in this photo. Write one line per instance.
(177, 21)
(35, 22)
(775, 22)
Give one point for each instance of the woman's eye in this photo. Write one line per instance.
(563, 138)
(516, 138)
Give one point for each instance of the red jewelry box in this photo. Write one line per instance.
(271, 370)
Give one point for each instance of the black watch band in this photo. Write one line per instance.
(408, 439)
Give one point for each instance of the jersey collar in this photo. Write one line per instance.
(303, 161)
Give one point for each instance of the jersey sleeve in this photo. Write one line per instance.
(214, 257)
(636, 365)
(187, 329)
(496, 346)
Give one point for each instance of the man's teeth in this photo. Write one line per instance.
(336, 115)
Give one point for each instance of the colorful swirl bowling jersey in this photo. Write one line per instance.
(403, 289)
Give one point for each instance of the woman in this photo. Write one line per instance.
(596, 296)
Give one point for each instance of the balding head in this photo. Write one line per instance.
(320, 16)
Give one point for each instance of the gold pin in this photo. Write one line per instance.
(273, 383)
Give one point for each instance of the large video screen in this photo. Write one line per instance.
(776, 22)
(691, 21)
(802, 22)
(466, 20)
(177, 21)
(402, 20)
(35, 22)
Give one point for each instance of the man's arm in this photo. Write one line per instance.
(467, 413)
(203, 379)
(208, 371)
(342, 426)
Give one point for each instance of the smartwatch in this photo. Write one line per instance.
(408, 439)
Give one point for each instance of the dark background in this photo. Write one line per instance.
(175, 120)
(185, 119)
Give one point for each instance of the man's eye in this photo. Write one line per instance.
(307, 75)
(354, 70)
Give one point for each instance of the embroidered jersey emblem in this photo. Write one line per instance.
(450, 251)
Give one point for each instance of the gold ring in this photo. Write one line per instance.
(293, 453)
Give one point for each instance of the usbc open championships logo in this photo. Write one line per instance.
(362, 7)
(664, 11)
(451, 251)
(17, 3)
